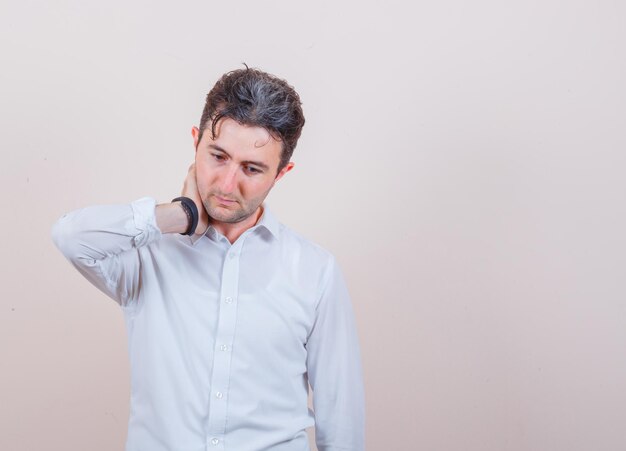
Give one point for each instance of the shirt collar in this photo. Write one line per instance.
(267, 220)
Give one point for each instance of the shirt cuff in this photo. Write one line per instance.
(144, 218)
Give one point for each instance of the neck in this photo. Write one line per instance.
(232, 231)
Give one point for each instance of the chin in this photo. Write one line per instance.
(229, 216)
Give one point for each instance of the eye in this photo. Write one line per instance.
(218, 156)
(252, 170)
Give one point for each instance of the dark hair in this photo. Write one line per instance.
(256, 98)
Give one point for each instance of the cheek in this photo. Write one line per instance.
(203, 178)
(257, 188)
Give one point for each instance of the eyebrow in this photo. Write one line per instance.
(256, 163)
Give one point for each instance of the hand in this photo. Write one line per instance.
(190, 190)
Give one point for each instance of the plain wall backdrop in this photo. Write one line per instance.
(464, 161)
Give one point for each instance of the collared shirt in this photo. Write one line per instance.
(224, 339)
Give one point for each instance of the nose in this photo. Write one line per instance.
(229, 180)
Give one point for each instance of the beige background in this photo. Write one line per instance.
(463, 160)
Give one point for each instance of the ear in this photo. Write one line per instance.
(284, 170)
(195, 132)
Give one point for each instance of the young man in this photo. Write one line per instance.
(230, 314)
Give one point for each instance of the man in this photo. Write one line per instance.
(230, 314)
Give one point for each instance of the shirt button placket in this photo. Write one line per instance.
(223, 339)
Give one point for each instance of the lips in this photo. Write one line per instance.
(225, 201)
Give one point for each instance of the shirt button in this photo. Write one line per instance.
(228, 299)
(224, 348)
(231, 256)
(219, 395)
(215, 441)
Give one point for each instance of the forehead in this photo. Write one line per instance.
(240, 139)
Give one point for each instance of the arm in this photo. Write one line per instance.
(101, 241)
(98, 241)
(334, 369)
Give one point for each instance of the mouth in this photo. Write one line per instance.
(221, 200)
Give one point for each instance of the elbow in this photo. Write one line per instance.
(62, 238)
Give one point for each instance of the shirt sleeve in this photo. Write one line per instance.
(102, 243)
(334, 370)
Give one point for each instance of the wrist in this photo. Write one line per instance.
(171, 218)
(191, 211)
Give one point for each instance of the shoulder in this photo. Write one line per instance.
(309, 263)
(295, 243)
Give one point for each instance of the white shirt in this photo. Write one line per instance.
(223, 339)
